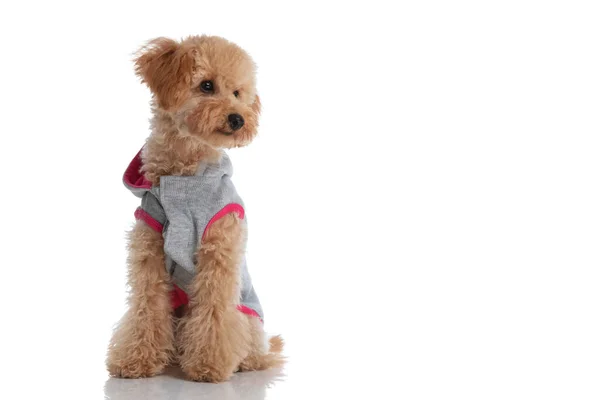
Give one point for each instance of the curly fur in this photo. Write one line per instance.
(142, 344)
(212, 339)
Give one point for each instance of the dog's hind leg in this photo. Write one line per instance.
(214, 337)
(142, 344)
(264, 353)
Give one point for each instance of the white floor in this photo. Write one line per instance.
(172, 385)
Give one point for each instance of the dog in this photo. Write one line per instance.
(191, 299)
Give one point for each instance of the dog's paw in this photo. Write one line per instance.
(202, 373)
(135, 369)
(206, 363)
(210, 352)
(137, 363)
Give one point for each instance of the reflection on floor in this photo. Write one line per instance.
(173, 385)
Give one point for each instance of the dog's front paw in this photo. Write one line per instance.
(204, 373)
(138, 362)
(205, 364)
(134, 369)
(209, 352)
(138, 353)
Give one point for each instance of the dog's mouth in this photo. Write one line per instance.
(226, 133)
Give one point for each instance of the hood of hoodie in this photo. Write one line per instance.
(136, 182)
(133, 179)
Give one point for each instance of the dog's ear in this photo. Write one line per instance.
(256, 105)
(167, 70)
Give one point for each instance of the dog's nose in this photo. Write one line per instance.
(235, 121)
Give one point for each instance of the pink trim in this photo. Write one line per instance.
(133, 177)
(178, 297)
(248, 311)
(147, 218)
(228, 209)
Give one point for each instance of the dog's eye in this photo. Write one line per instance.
(236, 93)
(207, 87)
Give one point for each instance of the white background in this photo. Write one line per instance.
(423, 195)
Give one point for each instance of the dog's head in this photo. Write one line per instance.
(206, 84)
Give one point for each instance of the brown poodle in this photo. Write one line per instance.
(204, 100)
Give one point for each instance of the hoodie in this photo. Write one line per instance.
(182, 208)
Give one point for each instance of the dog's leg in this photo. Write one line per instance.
(214, 336)
(264, 353)
(142, 344)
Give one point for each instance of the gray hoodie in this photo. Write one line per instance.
(182, 208)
